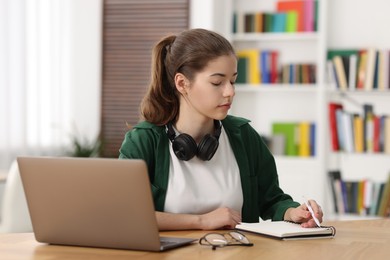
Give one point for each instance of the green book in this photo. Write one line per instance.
(290, 132)
(268, 22)
(341, 52)
(242, 70)
(292, 22)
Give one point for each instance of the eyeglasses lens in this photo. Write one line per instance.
(216, 239)
(239, 237)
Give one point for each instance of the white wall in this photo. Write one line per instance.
(358, 23)
(81, 27)
(86, 59)
(211, 14)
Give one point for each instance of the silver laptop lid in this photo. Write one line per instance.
(90, 202)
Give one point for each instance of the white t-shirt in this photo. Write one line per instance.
(198, 187)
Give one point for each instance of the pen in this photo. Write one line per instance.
(312, 213)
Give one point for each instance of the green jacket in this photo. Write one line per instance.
(260, 185)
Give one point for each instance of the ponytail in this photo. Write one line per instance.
(161, 103)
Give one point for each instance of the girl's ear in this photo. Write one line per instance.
(181, 83)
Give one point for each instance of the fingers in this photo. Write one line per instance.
(317, 212)
(235, 218)
(303, 215)
(316, 209)
(221, 218)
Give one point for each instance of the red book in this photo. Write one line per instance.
(294, 6)
(333, 125)
(274, 67)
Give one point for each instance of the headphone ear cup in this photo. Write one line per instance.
(207, 147)
(184, 146)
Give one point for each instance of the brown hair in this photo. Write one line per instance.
(187, 53)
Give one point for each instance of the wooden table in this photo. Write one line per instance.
(360, 239)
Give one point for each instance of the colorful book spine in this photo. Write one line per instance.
(253, 66)
(332, 108)
(304, 139)
(298, 137)
(288, 17)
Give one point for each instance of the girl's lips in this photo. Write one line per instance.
(226, 105)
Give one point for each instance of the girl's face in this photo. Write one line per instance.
(211, 92)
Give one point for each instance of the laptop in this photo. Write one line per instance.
(93, 202)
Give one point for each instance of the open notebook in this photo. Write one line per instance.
(287, 230)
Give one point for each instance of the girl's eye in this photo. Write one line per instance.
(216, 84)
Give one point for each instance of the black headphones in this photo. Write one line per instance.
(184, 146)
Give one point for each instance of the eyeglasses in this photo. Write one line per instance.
(232, 238)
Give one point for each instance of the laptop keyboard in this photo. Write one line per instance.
(167, 241)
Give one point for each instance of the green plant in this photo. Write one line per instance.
(85, 148)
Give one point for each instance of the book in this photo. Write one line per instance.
(358, 136)
(381, 186)
(278, 144)
(265, 64)
(353, 59)
(259, 19)
(333, 107)
(382, 134)
(376, 134)
(331, 74)
(253, 65)
(279, 22)
(340, 73)
(361, 70)
(312, 139)
(375, 193)
(370, 69)
(268, 21)
(294, 6)
(368, 127)
(238, 22)
(384, 70)
(345, 67)
(336, 187)
(249, 21)
(384, 203)
(291, 22)
(290, 131)
(309, 23)
(386, 130)
(242, 70)
(287, 230)
(304, 139)
(347, 132)
(274, 68)
(340, 129)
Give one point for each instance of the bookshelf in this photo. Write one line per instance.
(353, 29)
(268, 103)
(341, 24)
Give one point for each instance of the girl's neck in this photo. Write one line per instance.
(195, 128)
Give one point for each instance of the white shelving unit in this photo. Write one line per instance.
(356, 25)
(341, 24)
(264, 104)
